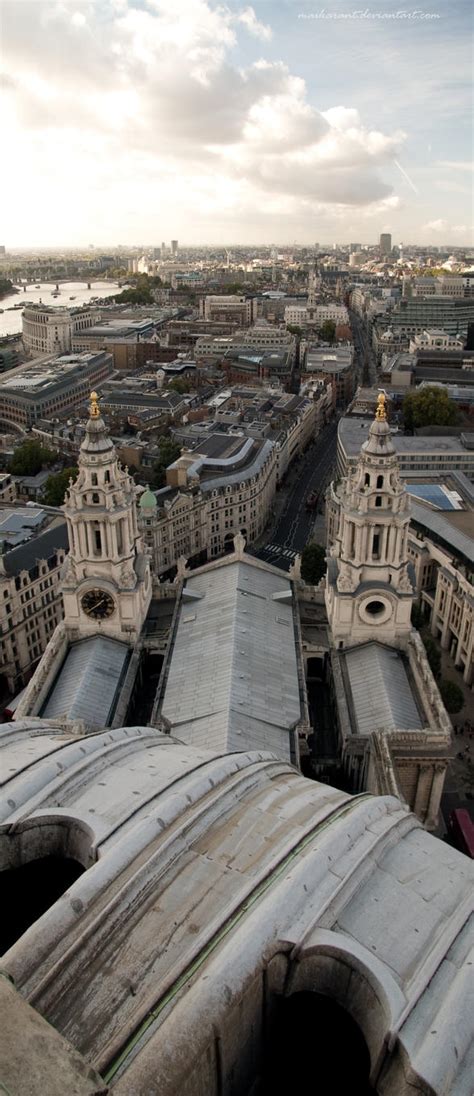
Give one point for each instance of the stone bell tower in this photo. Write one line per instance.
(369, 592)
(106, 577)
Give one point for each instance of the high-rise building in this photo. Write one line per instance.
(385, 243)
(174, 248)
(354, 247)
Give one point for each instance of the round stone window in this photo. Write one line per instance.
(375, 610)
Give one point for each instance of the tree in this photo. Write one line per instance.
(327, 331)
(313, 563)
(56, 486)
(294, 329)
(433, 655)
(452, 696)
(180, 385)
(169, 451)
(30, 457)
(429, 406)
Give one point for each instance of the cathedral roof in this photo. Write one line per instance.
(201, 869)
(381, 694)
(88, 682)
(233, 676)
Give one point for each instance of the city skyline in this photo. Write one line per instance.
(271, 124)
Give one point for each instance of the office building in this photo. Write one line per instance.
(52, 387)
(51, 330)
(385, 243)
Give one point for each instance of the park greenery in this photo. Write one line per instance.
(141, 292)
(56, 486)
(313, 563)
(30, 457)
(327, 331)
(181, 385)
(169, 451)
(429, 406)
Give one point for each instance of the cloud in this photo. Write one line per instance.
(445, 227)
(119, 99)
(456, 165)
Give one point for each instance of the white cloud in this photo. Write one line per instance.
(456, 165)
(113, 101)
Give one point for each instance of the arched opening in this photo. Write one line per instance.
(229, 542)
(30, 890)
(314, 1048)
(367, 479)
(379, 482)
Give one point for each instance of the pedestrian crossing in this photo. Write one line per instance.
(278, 550)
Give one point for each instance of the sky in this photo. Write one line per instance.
(136, 121)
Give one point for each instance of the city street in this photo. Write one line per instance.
(363, 350)
(289, 534)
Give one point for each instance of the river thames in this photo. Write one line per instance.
(71, 294)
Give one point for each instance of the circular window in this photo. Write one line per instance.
(374, 608)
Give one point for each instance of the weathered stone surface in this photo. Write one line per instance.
(34, 1058)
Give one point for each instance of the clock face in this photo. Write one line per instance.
(98, 604)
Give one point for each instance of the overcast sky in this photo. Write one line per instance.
(134, 121)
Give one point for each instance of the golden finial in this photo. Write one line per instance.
(381, 412)
(94, 406)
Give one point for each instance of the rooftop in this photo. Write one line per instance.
(88, 682)
(381, 696)
(353, 431)
(233, 676)
(29, 534)
(37, 380)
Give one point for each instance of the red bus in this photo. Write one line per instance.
(461, 831)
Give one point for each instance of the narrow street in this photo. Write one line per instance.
(292, 529)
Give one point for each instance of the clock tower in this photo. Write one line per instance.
(106, 578)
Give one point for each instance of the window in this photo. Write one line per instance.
(379, 482)
(378, 500)
(94, 479)
(376, 545)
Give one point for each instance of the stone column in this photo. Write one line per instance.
(422, 796)
(436, 792)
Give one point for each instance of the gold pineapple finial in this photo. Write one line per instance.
(94, 406)
(381, 412)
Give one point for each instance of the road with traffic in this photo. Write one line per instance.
(292, 529)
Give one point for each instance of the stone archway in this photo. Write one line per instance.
(315, 1048)
(360, 995)
(39, 860)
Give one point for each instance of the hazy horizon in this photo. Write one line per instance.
(279, 123)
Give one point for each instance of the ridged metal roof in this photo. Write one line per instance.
(233, 677)
(381, 693)
(87, 684)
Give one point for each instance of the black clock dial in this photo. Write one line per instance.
(98, 604)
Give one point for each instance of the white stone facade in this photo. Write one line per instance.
(372, 594)
(105, 546)
(49, 330)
